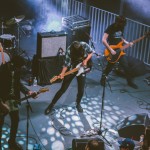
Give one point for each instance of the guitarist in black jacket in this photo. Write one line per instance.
(77, 52)
(112, 36)
(10, 87)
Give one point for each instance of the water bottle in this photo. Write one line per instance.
(34, 81)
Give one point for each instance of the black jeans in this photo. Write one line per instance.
(124, 63)
(66, 82)
(14, 116)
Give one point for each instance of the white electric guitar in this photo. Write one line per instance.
(79, 69)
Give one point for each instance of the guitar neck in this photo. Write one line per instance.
(135, 41)
(2, 54)
(29, 96)
(71, 71)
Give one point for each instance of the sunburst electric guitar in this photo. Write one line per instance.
(119, 48)
(79, 69)
(4, 108)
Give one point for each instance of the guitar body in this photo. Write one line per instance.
(114, 58)
(79, 69)
(119, 48)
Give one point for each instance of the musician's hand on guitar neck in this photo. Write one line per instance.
(131, 44)
(33, 93)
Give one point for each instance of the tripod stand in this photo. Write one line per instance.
(28, 107)
(101, 115)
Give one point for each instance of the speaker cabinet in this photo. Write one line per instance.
(133, 126)
(136, 67)
(80, 144)
(78, 34)
(49, 43)
(48, 68)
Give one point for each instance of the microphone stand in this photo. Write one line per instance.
(103, 96)
(28, 107)
(101, 115)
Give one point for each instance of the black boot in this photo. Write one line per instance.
(103, 80)
(49, 109)
(79, 108)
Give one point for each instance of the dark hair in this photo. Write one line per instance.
(76, 52)
(121, 20)
(94, 145)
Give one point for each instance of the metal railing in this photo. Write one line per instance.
(100, 19)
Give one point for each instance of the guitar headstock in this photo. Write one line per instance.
(42, 90)
(54, 79)
(147, 34)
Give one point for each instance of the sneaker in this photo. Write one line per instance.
(133, 85)
(79, 108)
(48, 109)
(14, 146)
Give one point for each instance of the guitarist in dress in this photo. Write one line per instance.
(77, 52)
(112, 36)
(10, 87)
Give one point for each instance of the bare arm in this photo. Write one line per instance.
(126, 42)
(104, 41)
(63, 72)
(87, 59)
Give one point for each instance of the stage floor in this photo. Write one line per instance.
(57, 130)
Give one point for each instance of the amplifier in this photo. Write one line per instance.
(75, 22)
(50, 43)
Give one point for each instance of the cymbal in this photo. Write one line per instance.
(15, 20)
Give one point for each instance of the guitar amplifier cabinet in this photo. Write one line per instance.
(80, 144)
(77, 27)
(50, 43)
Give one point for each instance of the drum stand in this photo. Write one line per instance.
(18, 35)
(2, 27)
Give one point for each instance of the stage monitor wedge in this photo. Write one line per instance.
(49, 44)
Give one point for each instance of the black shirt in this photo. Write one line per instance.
(6, 79)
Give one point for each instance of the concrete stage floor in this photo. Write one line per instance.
(57, 130)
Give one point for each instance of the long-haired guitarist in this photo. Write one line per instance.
(112, 36)
(10, 87)
(77, 52)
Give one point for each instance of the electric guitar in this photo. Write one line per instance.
(4, 108)
(34, 94)
(2, 55)
(79, 68)
(119, 48)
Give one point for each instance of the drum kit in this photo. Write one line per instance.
(8, 41)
